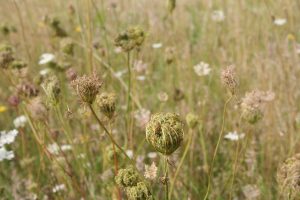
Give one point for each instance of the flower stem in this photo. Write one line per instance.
(107, 132)
(217, 147)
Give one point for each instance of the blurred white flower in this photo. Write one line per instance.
(234, 136)
(142, 117)
(46, 58)
(58, 188)
(120, 73)
(129, 153)
(55, 149)
(44, 72)
(202, 69)
(150, 171)
(20, 121)
(163, 96)
(8, 137)
(66, 147)
(280, 21)
(4, 154)
(218, 16)
(141, 78)
(152, 155)
(156, 45)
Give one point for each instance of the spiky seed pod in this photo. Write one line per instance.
(37, 109)
(52, 89)
(229, 79)
(107, 103)
(67, 46)
(87, 87)
(139, 192)
(288, 177)
(132, 38)
(164, 132)
(127, 177)
(6, 56)
(192, 120)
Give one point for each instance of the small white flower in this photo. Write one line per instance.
(46, 58)
(20, 121)
(202, 69)
(4, 154)
(152, 155)
(156, 45)
(129, 153)
(218, 16)
(44, 72)
(234, 136)
(120, 73)
(58, 188)
(66, 147)
(150, 171)
(141, 78)
(8, 137)
(280, 21)
(55, 149)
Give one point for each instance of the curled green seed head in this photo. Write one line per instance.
(132, 38)
(165, 132)
(127, 177)
(139, 192)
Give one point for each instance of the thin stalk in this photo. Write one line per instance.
(166, 179)
(187, 147)
(107, 132)
(129, 119)
(116, 163)
(217, 147)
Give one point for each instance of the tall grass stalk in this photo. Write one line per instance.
(217, 147)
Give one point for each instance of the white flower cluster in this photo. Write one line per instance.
(7, 138)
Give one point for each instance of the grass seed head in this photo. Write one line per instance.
(229, 79)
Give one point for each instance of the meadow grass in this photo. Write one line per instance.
(83, 81)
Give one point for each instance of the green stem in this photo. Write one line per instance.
(166, 179)
(107, 132)
(217, 147)
(187, 147)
